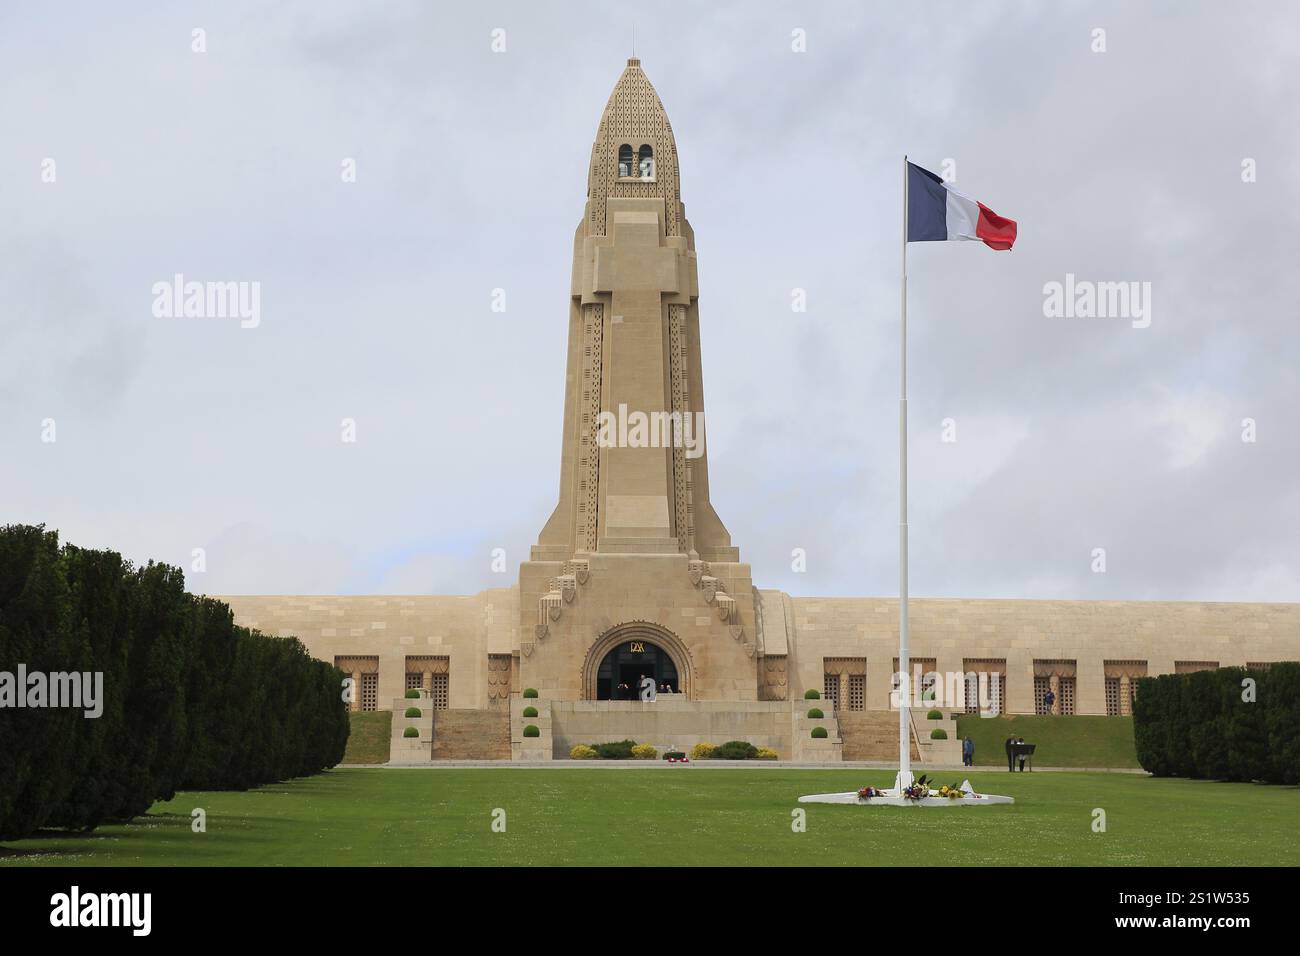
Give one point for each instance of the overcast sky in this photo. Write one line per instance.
(376, 295)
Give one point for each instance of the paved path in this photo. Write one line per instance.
(715, 765)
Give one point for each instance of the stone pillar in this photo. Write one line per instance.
(1125, 695)
(356, 691)
(1055, 684)
(844, 692)
(427, 682)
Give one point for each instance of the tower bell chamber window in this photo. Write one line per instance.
(638, 165)
(646, 162)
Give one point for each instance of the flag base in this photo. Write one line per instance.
(965, 796)
(894, 800)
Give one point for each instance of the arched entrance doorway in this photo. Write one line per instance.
(623, 669)
(618, 660)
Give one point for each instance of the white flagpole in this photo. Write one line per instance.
(904, 743)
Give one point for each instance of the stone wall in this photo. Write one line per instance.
(797, 634)
(464, 629)
(670, 724)
(1091, 633)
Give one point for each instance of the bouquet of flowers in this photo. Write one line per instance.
(918, 790)
(953, 792)
(866, 793)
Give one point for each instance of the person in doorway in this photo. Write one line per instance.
(1048, 700)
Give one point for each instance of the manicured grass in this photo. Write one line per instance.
(370, 737)
(691, 815)
(1062, 741)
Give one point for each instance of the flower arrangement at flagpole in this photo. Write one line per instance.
(866, 793)
(918, 790)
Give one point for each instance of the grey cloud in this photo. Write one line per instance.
(1073, 434)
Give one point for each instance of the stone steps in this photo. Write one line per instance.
(471, 734)
(871, 735)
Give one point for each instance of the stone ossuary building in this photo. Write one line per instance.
(634, 575)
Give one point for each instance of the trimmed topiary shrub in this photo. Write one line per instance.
(644, 752)
(673, 755)
(412, 694)
(413, 712)
(765, 753)
(530, 711)
(702, 751)
(615, 750)
(819, 733)
(530, 692)
(935, 715)
(583, 752)
(938, 734)
(815, 713)
(811, 694)
(532, 731)
(410, 732)
(735, 750)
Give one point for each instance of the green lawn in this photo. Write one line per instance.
(1062, 741)
(690, 815)
(370, 737)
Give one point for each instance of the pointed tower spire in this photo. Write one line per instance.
(634, 473)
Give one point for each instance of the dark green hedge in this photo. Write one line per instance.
(734, 750)
(190, 701)
(614, 750)
(1197, 725)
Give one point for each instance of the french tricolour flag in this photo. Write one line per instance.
(936, 212)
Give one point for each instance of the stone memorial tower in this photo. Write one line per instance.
(634, 560)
